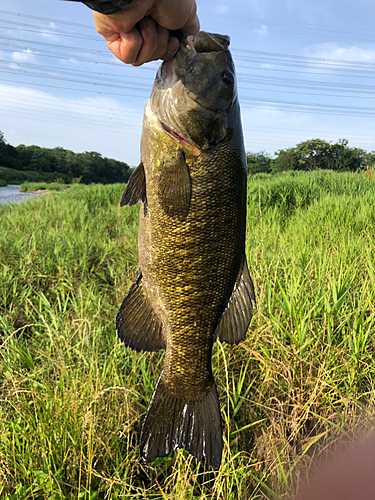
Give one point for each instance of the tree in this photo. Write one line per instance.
(90, 166)
(313, 154)
(8, 154)
(258, 162)
(25, 154)
(370, 158)
(319, 154)
(345, 158)
(40, 161)
(286, 159)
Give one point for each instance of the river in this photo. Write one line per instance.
(11, 193)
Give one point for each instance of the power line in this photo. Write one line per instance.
(299, 26)
(77, 90)
(302, 58)
(76, 107)
(53, 30)
(301, 33)
(77, 73)
(70, 23)
(93, 118)
(266, 80)
(60, 78)
(62, 122)
(284, 23)
(253, 53)
(67, 103)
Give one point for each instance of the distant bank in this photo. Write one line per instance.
(11, 193)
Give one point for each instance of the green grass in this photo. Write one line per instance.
(3, 183)
(41, 186)
(73, 398)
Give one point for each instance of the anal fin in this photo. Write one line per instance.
(135, 190)
(136, 322)
(235, 320)
(171, 423)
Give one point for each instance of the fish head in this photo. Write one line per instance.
(194, 93)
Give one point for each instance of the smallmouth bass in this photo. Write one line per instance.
(194, 284)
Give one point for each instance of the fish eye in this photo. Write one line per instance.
(227, 77)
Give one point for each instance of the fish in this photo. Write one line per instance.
(194, 284)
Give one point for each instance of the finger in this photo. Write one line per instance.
(172, 48)
(177, 15)
(163, 37)
(149, 32)
(126, 46)
(192, 25)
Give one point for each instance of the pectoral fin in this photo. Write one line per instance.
(135, 190)
(236, 317)
(174, 187)
(136, 322)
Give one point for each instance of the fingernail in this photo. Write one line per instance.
(151, 27)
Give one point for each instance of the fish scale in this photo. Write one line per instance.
(194, 284)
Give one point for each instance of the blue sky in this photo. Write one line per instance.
(305, 70)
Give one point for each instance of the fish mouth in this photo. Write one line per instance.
(207, 42)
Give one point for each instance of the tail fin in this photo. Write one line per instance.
(172, 423)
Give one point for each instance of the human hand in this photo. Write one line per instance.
(140, 32)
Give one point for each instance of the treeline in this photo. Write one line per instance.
(33, 163)
(312, 155)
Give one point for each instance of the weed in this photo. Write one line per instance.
(73, 398)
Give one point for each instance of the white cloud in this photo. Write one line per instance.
(66, 62)
(221, 9)
(95, 123)
(26, 55)
(270, 129)
(262, 126)
(262, 31)
(357, 53)
(266, 115)
(259, 7)
(46, 32)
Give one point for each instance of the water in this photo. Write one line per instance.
(11, 193)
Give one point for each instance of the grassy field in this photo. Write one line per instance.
(31, 187)
(73, 398)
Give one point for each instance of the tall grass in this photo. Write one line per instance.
(41, 186)
(73, 398)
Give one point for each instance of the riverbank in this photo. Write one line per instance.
(11, 194)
